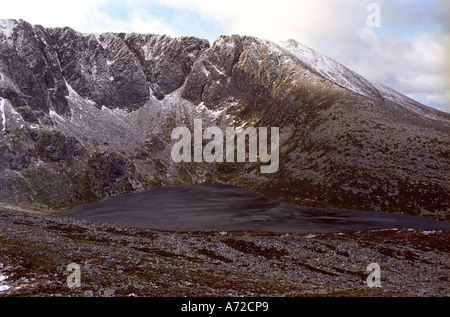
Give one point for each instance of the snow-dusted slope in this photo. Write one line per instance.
(330, 69)
(347, 78)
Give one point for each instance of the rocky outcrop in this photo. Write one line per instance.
(120, 70)
(166, 61)
(31, 77)
(88, 116)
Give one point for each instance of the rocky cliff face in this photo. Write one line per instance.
(88, 116)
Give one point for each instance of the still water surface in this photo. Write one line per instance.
(227, 208)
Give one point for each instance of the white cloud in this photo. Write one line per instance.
(49, 12)
(277, 20)
(90, 16)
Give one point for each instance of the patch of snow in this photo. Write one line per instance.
(218, 70)
(72, 92)
(428, 232)
(4, 288)
(2, 110)
(205, 71)
(53, 113)
(386, 229)
(97, 36)
(329, 68)
(115, 111)
(216, 114)
(202, 106)
(7, 83)
(7, 27)
(109, 63)
(90, 34)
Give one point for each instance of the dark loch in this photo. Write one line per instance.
(227, 208)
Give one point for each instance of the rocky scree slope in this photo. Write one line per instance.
(89, 116)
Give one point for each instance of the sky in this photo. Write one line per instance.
(404, 44)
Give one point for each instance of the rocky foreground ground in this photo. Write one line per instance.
(35, 251)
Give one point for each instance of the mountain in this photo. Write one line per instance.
(90, 116)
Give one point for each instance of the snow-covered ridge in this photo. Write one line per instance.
(343, 76)
(330, 69)
(3, 285)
